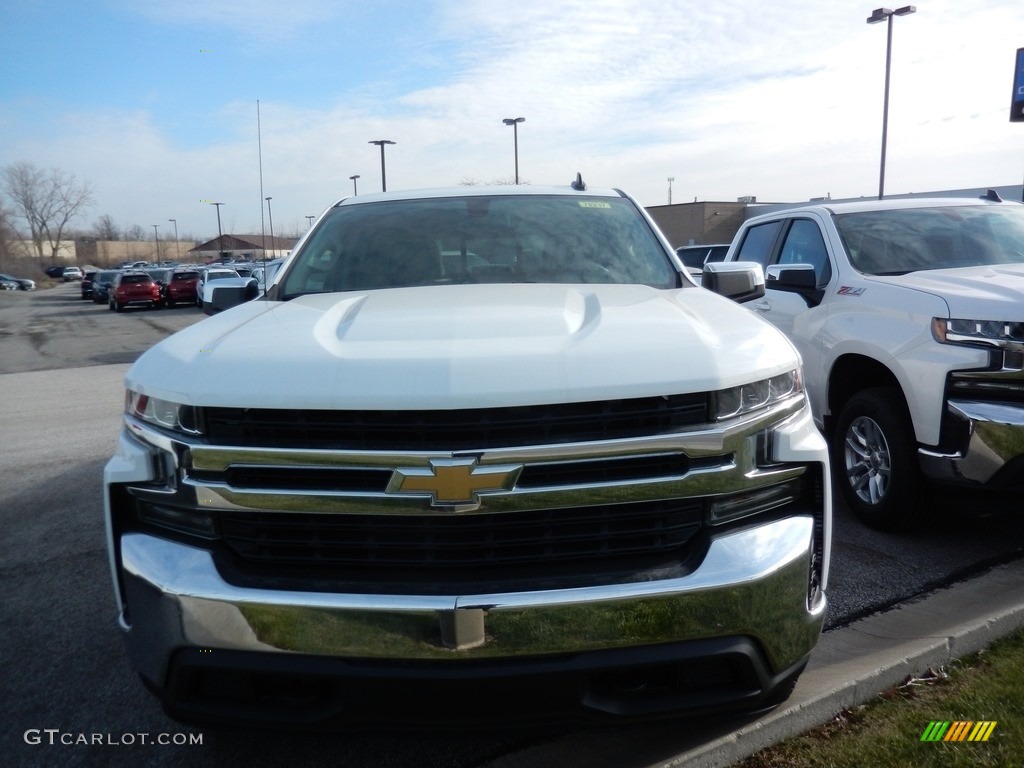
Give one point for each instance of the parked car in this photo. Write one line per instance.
(101, 283)
(133, 288)
(23, 283)
(555, 480)
(161, 276)
(71, 273)
(8, 285)
(250, 285)
(210, 274)
(87, 277)
(696, 256)
(57, 270)
(181, 289)
(909, 316)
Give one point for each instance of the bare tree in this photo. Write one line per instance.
(47, 200)
(106, 229)
(7, 239)
(135, 232)
(508, 181)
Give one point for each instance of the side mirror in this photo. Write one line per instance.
(227, 296)
(736, 280)
(792, 277)
(796, 278)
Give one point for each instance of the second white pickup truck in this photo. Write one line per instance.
(909, 315)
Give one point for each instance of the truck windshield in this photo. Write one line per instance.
(530, 238)
(893, 242)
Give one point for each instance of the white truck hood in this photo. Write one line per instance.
(976, 293)
(464, 346)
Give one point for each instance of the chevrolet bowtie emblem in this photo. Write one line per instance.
(454, 482)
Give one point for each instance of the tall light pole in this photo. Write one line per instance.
(177, 247)
(310, 220)
(156, 236)
(270, 213)
(670, 180)
(877, 15)
(220, 234)
(383, 175)
(514, 122)
(355, 190)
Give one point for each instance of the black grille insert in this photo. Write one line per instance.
(477, 547)
(454, 430)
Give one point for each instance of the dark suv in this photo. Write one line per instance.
(133, 289)
(101, 283)
(87, 277)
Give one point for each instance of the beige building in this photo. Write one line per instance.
(703, 223)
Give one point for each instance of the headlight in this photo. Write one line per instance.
(984, 333)
(162, 413)
(746, 398)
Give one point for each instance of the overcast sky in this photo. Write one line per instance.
(155, 102)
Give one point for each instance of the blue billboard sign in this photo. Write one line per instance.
(1017, 105)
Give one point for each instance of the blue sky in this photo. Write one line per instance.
(155, 103)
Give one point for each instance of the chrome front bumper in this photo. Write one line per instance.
(994, 436)
(752, 583)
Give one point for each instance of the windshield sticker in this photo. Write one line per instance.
(847, 290)
(594, 204)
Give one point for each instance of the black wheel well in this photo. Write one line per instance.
(851, 374)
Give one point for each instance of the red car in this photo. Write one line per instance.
(133, 289)
(181, 288)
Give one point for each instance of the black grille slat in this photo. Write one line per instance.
(462, 541)
(475, 428)
(301, 478)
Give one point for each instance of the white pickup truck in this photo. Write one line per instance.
(909, 316)
(479, 454)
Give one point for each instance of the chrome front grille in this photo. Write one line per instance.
(543, 515)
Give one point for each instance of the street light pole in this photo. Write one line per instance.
(270, 213)
(177, 247)
(156, 236)
(220, 234)
(877, 15)
(383, 176)
(355, 190)
(514, 122)
(670, 180)
(310, 220)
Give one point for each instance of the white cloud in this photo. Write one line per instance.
(738, 97)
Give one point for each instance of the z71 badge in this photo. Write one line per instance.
(847, 290)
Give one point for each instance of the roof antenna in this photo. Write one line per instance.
(578, 185)
(993, 196)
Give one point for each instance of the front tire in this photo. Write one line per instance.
(875, 458)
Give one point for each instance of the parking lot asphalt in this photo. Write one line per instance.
(851, 665)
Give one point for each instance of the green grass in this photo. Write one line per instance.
(887, 731)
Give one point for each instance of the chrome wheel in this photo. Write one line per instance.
(867, 460)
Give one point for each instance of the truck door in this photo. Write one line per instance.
(798, 314)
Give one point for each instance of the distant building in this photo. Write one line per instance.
(703, 223)
(242, 248)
